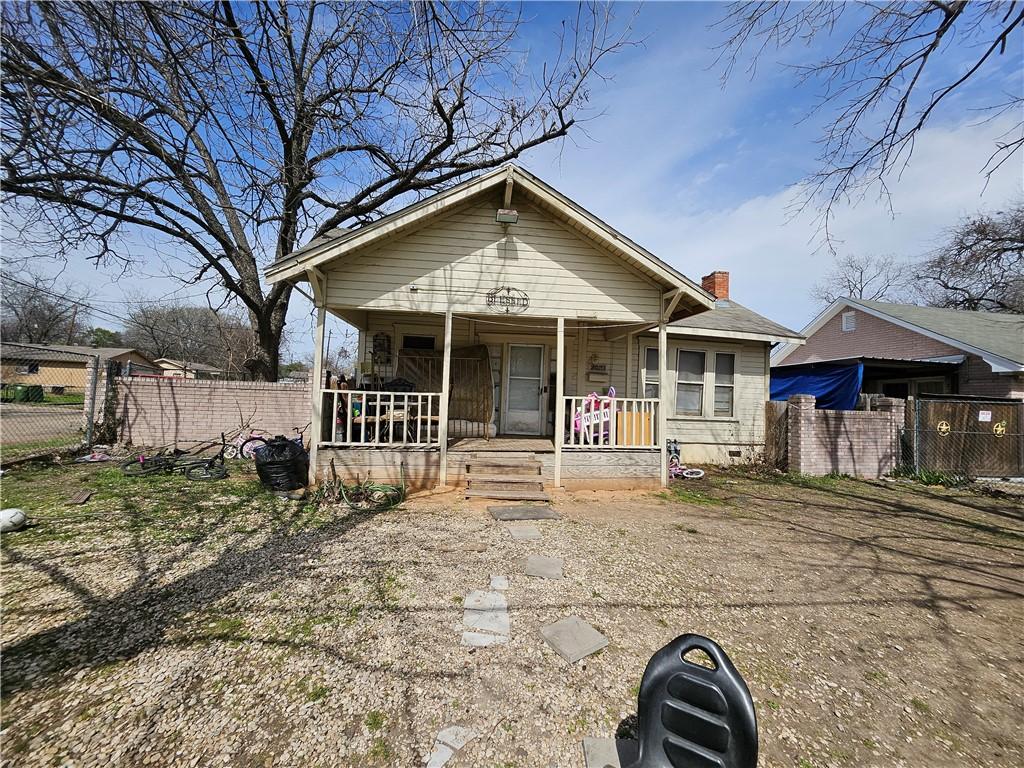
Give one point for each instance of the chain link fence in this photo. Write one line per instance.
(48, 401)
(964, 440)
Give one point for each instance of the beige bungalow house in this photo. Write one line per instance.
(509, 340)
(61, 365)
(182, 369)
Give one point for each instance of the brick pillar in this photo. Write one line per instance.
(896, 410)
(801, 433)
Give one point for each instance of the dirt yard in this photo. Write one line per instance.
(163, 623)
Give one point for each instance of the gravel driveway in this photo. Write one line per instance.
(876, 624)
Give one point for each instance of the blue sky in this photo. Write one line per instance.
(704, 175)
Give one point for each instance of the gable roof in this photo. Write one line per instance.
(730, 319)
(65, 353)
(182, 365)
(995, 337)
(329, 247)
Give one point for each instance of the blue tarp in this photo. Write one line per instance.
(836, 386)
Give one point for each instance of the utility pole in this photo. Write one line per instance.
(71, 325)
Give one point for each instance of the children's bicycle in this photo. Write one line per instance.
(676, 470)
(193, 467)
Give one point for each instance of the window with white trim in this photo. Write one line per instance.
(690, 382)
(651, 372)
(849, 321)
(725, 378)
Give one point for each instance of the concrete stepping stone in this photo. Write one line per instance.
(447, 742)
(609, 753)
(524, 532)
(499, 582)
(521, 512)
(482, 639)
(573, 639)
(544, 567)
(486, 612)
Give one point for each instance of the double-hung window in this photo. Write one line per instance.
(725, 377)
(690, 383)
(651, 372)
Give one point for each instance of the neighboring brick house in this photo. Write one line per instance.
(908, 350)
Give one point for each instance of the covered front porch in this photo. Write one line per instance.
(469, 386)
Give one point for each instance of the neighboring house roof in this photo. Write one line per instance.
(295, 265)
(166, 362)
(998, 338)
(730, 319)
(66, 353)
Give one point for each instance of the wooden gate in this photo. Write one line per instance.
(975, 438)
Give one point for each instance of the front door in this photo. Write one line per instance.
(524, 390)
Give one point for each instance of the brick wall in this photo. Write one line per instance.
(164, 411)
(975, 377)
(858, 443)
(873, 337)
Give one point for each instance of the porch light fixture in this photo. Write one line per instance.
(507, 216)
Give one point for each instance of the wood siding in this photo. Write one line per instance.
(704, 439)
(455, 261)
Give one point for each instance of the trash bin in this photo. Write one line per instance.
(27, 393)
(282, 464)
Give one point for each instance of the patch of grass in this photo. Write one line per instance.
(311, 690)
(380, 750)
(226, 628)
(384, 588)
(772, 704)
(876, 676)
(932, 477)
(457, 599)
(375, 720)
(683, 527)
(634, 690)
(869, 743)
(813, 482)
(304, 627)
(920, 706)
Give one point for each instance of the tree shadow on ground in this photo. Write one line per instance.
(138, 618)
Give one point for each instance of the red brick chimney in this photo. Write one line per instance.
(717, 284)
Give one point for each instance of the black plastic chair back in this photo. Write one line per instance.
(690, 716)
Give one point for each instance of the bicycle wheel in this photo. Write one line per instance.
(206, 471)
(250, 446)
(693, 474)
(231, 452)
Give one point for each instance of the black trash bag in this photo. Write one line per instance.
(282, 464)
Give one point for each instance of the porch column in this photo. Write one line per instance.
(663, 398)
(442, 411)
(559, 399)
(316, 425)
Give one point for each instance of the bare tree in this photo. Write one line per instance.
(875, 278)
(38, 310)
(227, 134)
(980, 266)
(890, 67)
(189, 334)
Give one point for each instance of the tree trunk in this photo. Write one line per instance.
(268, 328)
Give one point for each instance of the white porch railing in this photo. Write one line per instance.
(611, 422)
(382, 418)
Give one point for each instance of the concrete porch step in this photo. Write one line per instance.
(507, 495)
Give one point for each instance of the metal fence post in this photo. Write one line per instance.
(917, 435)
(89, 407)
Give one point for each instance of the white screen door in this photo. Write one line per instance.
(524, 390)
